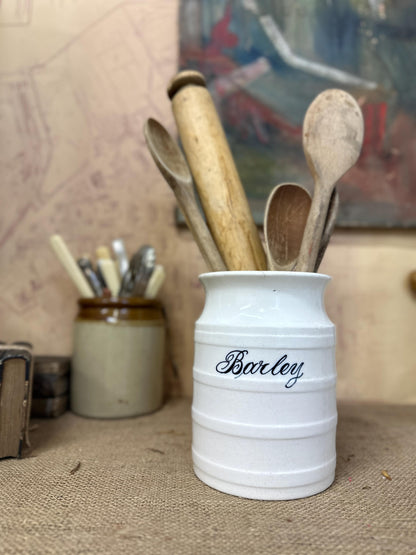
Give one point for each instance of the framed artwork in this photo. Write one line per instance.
(266, 60)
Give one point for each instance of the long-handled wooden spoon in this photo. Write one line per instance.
(329, 227)
(333, 131)
(285, 217)
(174, 168)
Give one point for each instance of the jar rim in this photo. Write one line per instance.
(118, 302)
(240, 274)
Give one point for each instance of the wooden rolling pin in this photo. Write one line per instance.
(222, 195)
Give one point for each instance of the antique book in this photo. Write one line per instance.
(50, 385)
(49, 407)
(52, 365)
(16, 376)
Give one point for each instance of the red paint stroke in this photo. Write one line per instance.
(375, 116)
(258, 115)
(221, 37)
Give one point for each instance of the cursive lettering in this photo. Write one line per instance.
(235, 364)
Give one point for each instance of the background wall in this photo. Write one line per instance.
(77, 82)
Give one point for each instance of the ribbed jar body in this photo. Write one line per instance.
(117, 363)
(264, 405)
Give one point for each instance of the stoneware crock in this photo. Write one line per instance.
(117, 363)
(264, 406)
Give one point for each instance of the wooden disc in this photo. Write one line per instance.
(183, 78)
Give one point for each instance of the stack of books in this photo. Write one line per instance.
(50, 386)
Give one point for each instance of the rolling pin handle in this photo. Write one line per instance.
(183, 78)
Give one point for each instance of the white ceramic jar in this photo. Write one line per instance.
(117, 363)
(264, 404)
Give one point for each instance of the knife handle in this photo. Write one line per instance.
(155, 282)
(109, 271)
(68, 262)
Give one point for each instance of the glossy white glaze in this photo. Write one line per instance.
(264, 404)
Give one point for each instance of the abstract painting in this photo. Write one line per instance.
(266, 60)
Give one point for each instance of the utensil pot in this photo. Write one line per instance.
(264, 406)
(117, 363)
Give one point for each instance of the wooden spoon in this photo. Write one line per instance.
(174, 168)
(285, 217)
(282, 238)
(329, 227)
(333, 132)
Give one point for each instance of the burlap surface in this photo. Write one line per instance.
(127, 486)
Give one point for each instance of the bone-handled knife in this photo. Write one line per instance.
(68, 262)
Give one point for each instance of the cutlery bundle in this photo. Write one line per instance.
(112, 277)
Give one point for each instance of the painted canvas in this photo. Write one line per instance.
(266, 60)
